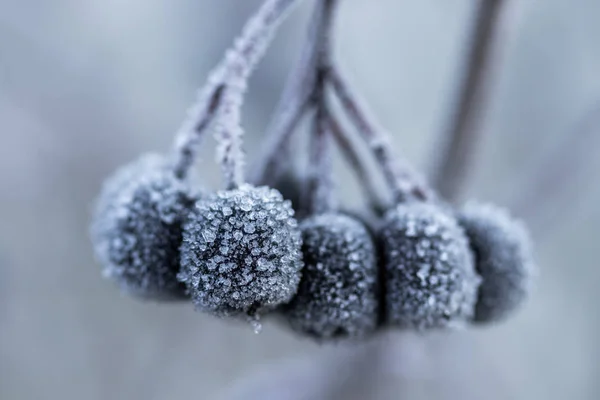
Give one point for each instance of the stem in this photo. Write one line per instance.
(463, 130)
(403, 180)
(354, 159)
(320, 180)
(297, 95)
(223, 93)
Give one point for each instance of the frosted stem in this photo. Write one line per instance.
(354, 159)
(297, 95)
(404, 181)
(320, 179)
(222, 95)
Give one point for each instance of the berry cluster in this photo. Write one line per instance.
(414, 263)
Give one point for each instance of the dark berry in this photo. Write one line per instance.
(429, 273)
(503, 258)
(241, 252)
(136, 228)
(338, 292)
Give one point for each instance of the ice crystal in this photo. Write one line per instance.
(136, 227)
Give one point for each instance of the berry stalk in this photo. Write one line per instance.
(222, 95)
(320, 180)
(298, 94)
(353, 158)
(405, 182)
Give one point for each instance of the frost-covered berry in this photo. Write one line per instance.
(338, 292)
(429, 273)
(241, 252)
(503, 258)
(136, 228)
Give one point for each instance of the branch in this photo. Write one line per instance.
(463, 131)
(222, 94)
(405, 182)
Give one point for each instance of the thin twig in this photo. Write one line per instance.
(404, 181)
(463, 130)
(296, 98)
(353, 158)
(226, 86)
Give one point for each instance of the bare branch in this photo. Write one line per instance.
(404, 181)
(226, 86)
(463, 129)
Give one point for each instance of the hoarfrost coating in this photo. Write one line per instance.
(429, 273)
(503, 258)
(338, 292)
(241, 252)
(136, 228)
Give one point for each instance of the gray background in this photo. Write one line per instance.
(88, 85)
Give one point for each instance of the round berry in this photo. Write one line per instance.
(429, 273)
(241, 252)
(338, 292)
(503, 258)
(136, 228)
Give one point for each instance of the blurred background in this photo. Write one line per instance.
(86, 86)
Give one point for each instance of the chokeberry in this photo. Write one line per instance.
(502, 257)
(429, 273)
(136, 228)
(338, 292)
(241, 252)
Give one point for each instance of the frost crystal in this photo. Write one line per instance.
(241, 252)
(337, 296)
(430, 278)
(136, 228)
(503, 258)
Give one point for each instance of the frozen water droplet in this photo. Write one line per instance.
(423, 271)
(209, 235)
(431, 229)
(256, 325)
(249, 228)
(246, 205)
